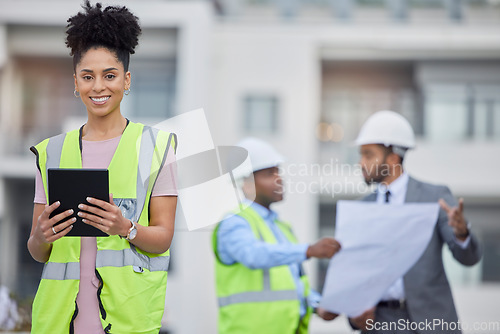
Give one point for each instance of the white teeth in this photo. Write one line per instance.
(100, 99)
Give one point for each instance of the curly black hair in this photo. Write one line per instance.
(114, 28)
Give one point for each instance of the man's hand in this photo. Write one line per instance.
(456, 218)
(325, 315)
(323, 248)
(360, 322)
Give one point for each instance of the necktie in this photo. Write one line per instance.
(387, 196)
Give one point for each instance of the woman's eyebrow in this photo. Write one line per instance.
(105, 70)
(110, 69)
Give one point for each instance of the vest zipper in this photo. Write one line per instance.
(72, 322)
(35, 151)
(101, 306)
(107, 329)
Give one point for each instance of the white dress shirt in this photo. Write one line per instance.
(397, 191)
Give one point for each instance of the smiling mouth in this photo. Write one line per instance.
(100, 99)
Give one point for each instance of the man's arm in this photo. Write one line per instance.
(452, 225)
(236, 242)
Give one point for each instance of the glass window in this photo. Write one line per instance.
(42, 89)
(445, 112)
(261, 114)
(349, 109)
(27, 273)
(371, 3)
(426, 3)
(327, 216)
(152, 91)
(486, 106)
(467, 111)
(491, 257)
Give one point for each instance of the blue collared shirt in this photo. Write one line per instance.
(237, 243)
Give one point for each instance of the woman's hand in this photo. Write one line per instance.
(106, 217)
(154, 238)
(46, 230)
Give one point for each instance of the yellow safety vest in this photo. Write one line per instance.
(132, 282)
(263, 301)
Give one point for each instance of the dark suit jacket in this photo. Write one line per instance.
(427, 291)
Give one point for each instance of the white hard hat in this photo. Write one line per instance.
(262, 155)
(387, 128)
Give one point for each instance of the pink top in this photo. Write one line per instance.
(98, 154)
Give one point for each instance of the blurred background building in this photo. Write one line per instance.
(302, 74)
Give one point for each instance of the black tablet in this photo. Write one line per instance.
(71, 187)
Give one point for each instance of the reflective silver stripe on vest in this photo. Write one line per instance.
(266, 295)
(171, 137)
(258, 296)
(266, 279)
(54, 149)
(148, 144)
(127, 257)
(61, 271)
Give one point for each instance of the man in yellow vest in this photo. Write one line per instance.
(261, 286)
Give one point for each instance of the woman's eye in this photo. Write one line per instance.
(110, 76)
(87, 77)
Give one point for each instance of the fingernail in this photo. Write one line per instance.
(84, 220)
(80, 206)
(70, 211)
(80, 214)
(90, 199)
(57, 203)
(73, 220)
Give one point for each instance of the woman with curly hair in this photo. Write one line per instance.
(117, 283)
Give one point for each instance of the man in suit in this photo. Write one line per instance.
(422, 297)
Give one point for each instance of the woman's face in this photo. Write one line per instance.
(101, 79)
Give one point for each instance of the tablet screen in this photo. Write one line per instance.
(71, 187)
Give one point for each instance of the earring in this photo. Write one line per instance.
(126, 91)
(76, 93)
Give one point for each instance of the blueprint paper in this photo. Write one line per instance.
(380, 243)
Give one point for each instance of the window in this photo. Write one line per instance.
(486, 108)
(261, 114)
(491, 257)
(445, 104)
(42, 89)
(327, 216)
(469, 111)
(152, 92)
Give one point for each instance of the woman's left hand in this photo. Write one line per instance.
(107, 216)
